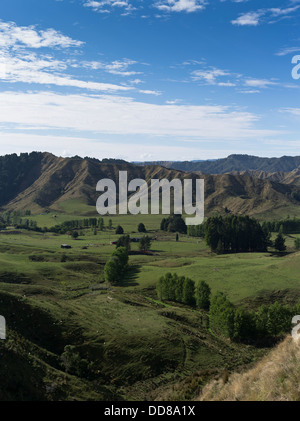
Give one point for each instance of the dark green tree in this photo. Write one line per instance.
(75, 234)
(124, 241)
(119, 230)
(221, 313)
(188, 292)
(141, 227)
(145, 243)
(279, 243)
(112, 270)
(202, 295)
(122, 254)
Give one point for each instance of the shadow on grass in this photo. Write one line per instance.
(129, 278)
(280, 253)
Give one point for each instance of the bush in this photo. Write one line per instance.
(141, 227)
(145, 243)
(119, 230)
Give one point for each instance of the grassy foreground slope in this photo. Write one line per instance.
(122, 343)
(275, 378)
(125, 344)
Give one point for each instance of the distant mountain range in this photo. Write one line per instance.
(40, 181)
(234, 163)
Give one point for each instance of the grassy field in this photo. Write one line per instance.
(135, 346)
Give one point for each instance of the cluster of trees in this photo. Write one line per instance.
(125, 240)
(241, 325)
(196, 230)
(174, 223)
(117, 265)
(182, 289)
(237, 324)
(235, 234)
(284, 226)
(95, 223)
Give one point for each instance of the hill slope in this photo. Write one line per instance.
(237, 163)
(275, 378)
(41, 181)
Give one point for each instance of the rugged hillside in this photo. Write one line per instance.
(275, 378)
(43, 181)
(237, 163)
(291, 177)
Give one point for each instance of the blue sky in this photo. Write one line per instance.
(150, 79)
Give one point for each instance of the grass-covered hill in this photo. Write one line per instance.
(275, 378)
(40, 181)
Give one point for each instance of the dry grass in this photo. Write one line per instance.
(275, 378)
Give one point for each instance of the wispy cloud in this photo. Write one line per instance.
(109, 114)
(187, 6)
(210, 76)
(268, 15)
(25, 57)
(288, 50)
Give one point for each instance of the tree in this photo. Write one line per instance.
(164, 286)
(74, 235)
(119, 230)
(244, 325)
(221, 313)
(175, 223)
(141, 227)
(122, 254)
(112, 270)
(188, 292)
(145, 243)
(179, 288)
(280, 243)
(124, 241)
(202, 295)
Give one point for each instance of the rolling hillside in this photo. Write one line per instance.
(42, 181)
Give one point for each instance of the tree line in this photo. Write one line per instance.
(241, 325)
(181, 289)
(238, 324)
(235, 234)
(284, 226)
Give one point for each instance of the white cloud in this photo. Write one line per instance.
(259, 83)
(248, 19)
(123, 116)
(21, 61)
(106, 6)
(69, 146)
(288, 50)
(255, 18)
(44, 71)
(180, 5)
(29, 36)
